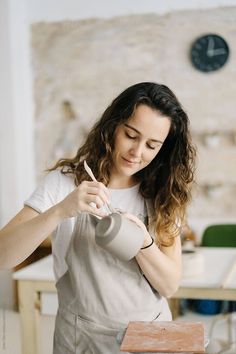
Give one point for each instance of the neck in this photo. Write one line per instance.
(117, 183)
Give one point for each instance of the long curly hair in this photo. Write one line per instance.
(167, 180)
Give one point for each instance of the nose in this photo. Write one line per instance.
(137, 150)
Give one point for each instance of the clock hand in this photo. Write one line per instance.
(218, 51)
(210, 47)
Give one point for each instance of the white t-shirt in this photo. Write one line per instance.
(54, 188)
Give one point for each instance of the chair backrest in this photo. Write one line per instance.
(222, 235)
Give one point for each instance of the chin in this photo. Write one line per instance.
(130, 173)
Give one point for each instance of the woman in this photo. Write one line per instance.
(140, 151)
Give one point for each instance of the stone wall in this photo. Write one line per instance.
(80, 66)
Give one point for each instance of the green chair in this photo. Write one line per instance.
(222, 235)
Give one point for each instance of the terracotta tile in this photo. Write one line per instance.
(164, 337)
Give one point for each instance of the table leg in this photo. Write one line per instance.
(28, 303)
(174, 307)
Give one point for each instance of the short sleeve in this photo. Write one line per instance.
(53, 188)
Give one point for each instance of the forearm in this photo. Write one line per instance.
(19, 241)
(161, 271)
(24, 233)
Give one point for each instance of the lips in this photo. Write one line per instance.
(130, 161)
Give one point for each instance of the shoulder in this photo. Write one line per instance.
(53, 188)
(58, 184)
(56, 179)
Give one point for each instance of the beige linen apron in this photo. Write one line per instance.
(99, 295)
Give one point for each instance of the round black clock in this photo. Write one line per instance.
(209, 52)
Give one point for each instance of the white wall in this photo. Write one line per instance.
(16, 120)
(54, 10)
(16, 112)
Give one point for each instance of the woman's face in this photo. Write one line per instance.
(137, 142)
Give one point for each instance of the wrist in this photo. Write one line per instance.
(59, 212)
(148, 244)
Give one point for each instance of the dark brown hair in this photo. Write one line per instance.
(167, 179)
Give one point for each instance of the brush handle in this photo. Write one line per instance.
(109, 208)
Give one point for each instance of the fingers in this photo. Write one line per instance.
(98, 186)
(141, 225)
(79, 200)
(95, 188)
(93, 193)
(136, 220)
(95, 199)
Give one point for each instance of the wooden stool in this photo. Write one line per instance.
(163, 337)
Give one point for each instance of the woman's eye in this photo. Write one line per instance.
(151, 147)
(156, 147)
(130, 136)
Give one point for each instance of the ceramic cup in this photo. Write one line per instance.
(119, 236)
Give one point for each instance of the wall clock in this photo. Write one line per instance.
(209, 52)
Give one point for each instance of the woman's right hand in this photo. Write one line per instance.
(81, 198)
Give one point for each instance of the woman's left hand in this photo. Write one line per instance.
(161, 266)
(135, 219)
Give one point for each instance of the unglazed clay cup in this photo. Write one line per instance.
(120, 236)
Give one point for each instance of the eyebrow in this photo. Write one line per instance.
(154, 140)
